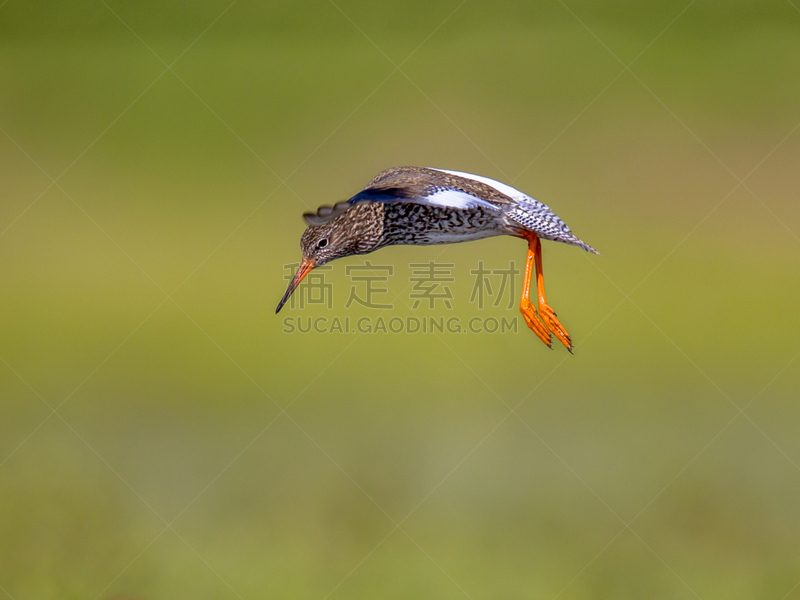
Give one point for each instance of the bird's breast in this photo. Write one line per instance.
(422, 225)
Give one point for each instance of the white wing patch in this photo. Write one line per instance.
(456, 199)
(509, 191)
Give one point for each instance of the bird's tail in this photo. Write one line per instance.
(586, 247)
(571, 239)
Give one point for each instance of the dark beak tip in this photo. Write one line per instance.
(282, 303)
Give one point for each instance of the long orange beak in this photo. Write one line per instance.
(302, 271)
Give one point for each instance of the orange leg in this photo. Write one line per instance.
(545, 314)
(525, 306)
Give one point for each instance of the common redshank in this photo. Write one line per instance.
(423, 206)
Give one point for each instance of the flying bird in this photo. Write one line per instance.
(423, 206)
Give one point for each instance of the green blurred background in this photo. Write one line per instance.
(198, 451)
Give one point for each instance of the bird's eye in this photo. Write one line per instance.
(322, 243)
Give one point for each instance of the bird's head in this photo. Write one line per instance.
(321, 244)
(333, 232)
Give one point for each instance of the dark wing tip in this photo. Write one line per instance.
(328, 213)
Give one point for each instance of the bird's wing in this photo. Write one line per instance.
(506, 191)
(328, 213)
(431, 196)
(433, 187)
